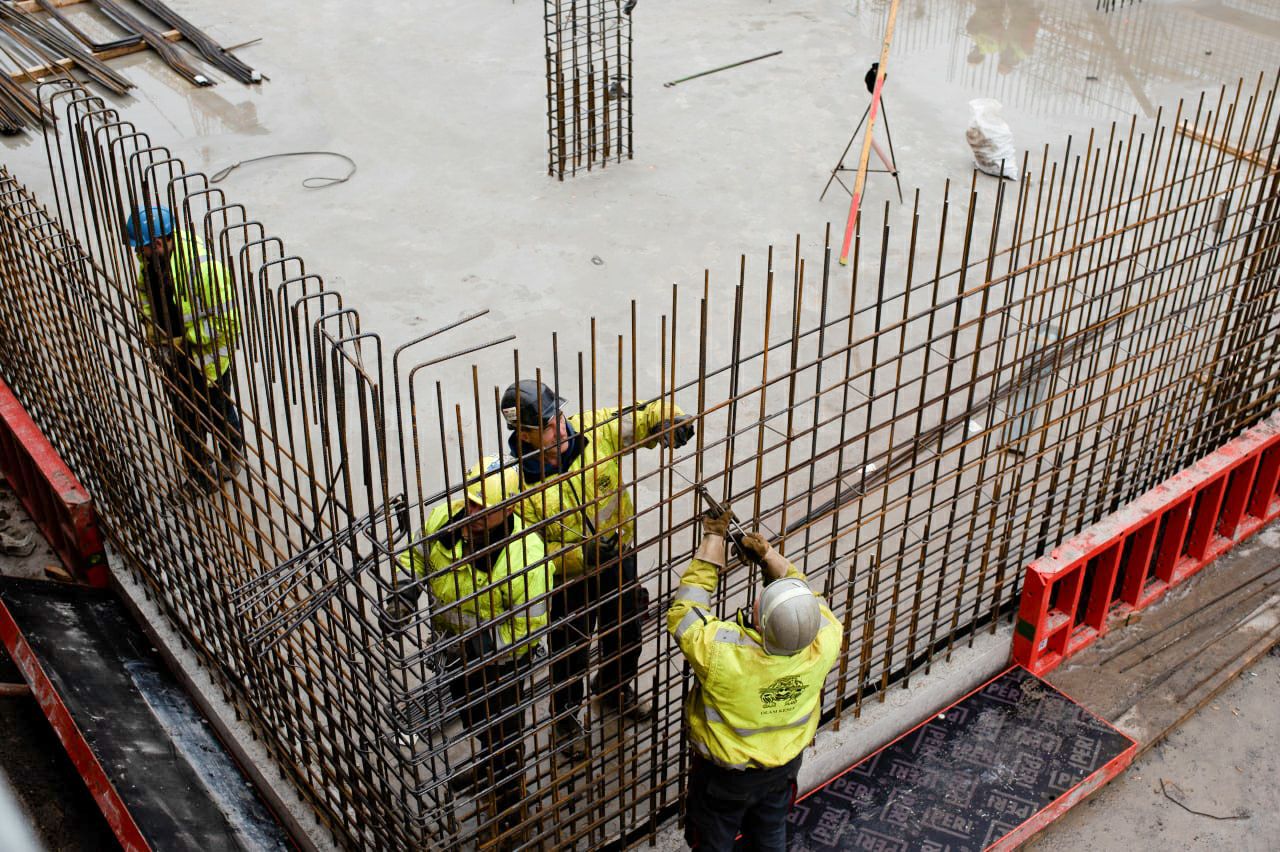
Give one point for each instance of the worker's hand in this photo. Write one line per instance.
(752, 548)
(401, 605)
(716, 522)
(597, 551)
(631, 5)
(680, 431)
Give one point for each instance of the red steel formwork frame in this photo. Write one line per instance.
(52, 495)
(1128, 560)
(96, 779)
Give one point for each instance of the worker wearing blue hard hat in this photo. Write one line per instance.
(189, 318)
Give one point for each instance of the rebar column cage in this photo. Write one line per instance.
(588, 84)
(1003, 370)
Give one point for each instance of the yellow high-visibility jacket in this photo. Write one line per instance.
(203, 291)
(750, 710)
(594, 492)
(511, 597)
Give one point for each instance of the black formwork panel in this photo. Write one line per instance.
(175, 778)
(986, 773)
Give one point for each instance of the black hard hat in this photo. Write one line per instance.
(538, 404)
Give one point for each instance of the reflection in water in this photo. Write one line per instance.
(1048, 57)
(1005, 29)
(210, 113)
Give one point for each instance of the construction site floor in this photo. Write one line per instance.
(1195, 680)
(1222, 761)
(444, 111)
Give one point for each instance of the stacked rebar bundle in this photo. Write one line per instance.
(37, 49)
(55, 46)
(909, 433)
(588, 44)
(213, 52)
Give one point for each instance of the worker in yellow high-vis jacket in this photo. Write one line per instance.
(570, 469)
(758, 696)
(190, 320)
(487, 580)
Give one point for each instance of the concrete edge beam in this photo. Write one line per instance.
(294, 813)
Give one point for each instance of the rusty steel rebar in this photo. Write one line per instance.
(588, 59)
(990, 376)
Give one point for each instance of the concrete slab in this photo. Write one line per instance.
(444, 112)
(1221, 764)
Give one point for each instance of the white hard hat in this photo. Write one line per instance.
(790, 616)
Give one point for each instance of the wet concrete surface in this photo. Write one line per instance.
(1222, 762)
(444, 111)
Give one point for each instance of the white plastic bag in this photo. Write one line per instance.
(991, 140)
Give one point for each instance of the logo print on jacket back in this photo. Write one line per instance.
(783, 693)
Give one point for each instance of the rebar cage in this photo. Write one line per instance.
(588, 84)
(909, 434)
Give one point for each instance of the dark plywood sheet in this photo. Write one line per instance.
(175, 778)
(997, 760)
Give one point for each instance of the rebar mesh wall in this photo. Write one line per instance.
(588, 85)
(909, 432)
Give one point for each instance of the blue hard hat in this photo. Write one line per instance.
(146, 224)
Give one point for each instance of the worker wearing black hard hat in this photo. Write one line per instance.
(571, 474)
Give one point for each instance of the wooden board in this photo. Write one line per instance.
(37, 71)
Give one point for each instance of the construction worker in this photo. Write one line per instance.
(190, 321)
(758, 695)
(588, 522)
(487, 577)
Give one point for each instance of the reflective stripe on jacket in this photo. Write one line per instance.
(205, 297)
(751, 710)
(512, 593)
(594, 488)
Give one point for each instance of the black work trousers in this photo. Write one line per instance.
(721, 803)
(201, 409)
(607, 600)
(488, 698)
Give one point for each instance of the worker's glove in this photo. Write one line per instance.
(170, 351)
(597, 551)
(681, 431)
(752, 548)
(401, 605)
(631, 4)
(716, 522)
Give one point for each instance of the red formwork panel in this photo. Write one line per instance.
(1131, 558)
(52, 495)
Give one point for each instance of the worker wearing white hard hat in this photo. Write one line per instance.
(759, 691)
